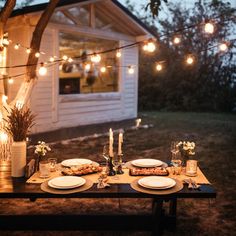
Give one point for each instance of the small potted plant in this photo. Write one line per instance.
(41, 150)
(18, 123)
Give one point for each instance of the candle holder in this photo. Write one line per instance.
(111, 171)
(119, 166)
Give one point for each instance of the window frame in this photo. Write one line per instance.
(90, 96)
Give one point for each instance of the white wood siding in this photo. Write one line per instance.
(56, 111)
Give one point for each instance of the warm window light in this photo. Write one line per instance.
(4, 98)
(65, 57)
(149, 46)
(223, 47)
(95, 58)
(28, 50)
(10, 81)
(37, 54)
(17, 46)
(130, 70)
(42, 69)
(176, 40)
(103, 69)
(87, 67)
(209, 28)
(118, 54)
(159, 67)
(189, 60)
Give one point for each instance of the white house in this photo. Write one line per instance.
(78, 93)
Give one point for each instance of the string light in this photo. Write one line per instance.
(209, 28)
(70, 60)
(4, 98)
(10, 81)
(65, 57)
(37, 54)
(159, 67)
(118, 54)
(17, 46)
(130, 69)
(3, 137)
(5, 41)
(103, 69)
(223, 47)
(176, 40)
(51, 59)
(87, 66)
(190, 60)
(28, 50)
(42, 69)
(149, 46)
(95, 58)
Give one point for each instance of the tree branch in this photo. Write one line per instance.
(36, 38)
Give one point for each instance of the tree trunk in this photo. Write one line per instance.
(4, 15)
(36, 39)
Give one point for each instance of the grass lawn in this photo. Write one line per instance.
(215, 137)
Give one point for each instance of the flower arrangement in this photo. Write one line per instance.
(186, 148)
(41, 149)
(18, 123)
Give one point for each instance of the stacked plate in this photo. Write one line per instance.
(156, 182)
(75, 162)
(66, 182)
(147, 163)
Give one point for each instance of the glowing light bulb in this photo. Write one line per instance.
(42, 70)
(5, 41)
(17, 46)
(28, 50)
(158, 67)
(10, 81)
(149, 46)
(3, 137)
(223, 47)
(103, 69)
(37, 54)
(51, 59)
(209, 28)
(70, 60)
(189, 60)
(65, 57)
(130, 70)
(176, 40)
(87, 66)
(96, 58)
(118, 54)
(4, 98)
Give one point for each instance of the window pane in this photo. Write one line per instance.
(82, 75)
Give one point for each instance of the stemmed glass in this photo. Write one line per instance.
(175, 158)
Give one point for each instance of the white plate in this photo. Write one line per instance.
(147, 162)
(156, 182)
(76, 162)
(66, 182)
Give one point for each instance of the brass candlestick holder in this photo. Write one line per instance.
(111, 171)
(119, 166)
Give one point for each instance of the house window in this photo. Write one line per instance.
(82, 76)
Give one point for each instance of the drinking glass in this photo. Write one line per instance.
(52, 164)
(44, 169)
(176, 161)
(191, 168)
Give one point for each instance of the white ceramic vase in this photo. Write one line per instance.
(18, 159)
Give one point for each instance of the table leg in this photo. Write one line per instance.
(157, 211)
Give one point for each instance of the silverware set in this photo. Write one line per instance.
(192, 184)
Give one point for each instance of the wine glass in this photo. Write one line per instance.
(175, 158)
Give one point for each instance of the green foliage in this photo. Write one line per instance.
(207, 85)
(19, 121)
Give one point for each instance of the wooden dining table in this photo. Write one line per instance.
(156, 221)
